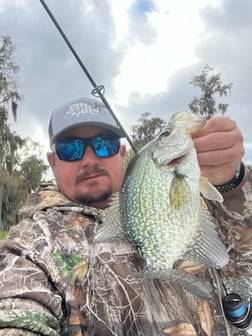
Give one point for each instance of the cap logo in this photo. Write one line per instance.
(81, 108)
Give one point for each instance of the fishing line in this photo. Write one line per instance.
(98, 90)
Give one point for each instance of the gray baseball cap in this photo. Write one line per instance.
(81, 112)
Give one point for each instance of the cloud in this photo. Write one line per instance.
(140, 26)
(224, 42)
(143, 56)
(141, 8)
(49, 74)
(225, 45)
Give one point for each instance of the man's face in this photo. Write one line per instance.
(91, 180)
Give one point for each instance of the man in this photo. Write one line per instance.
(56, 281)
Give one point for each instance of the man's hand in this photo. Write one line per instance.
(219, 144)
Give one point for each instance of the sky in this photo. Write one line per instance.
(144, 52)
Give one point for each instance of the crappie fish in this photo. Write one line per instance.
(159, 204)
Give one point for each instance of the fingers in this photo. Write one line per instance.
(218, 141)
(219, 145)
(220, 157)
(220, 174)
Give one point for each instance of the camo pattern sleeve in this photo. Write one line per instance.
(39, 264)
(27, 298)
(234, 217)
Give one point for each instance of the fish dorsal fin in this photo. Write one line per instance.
(209, 191)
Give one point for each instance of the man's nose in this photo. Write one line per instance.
(89, 157)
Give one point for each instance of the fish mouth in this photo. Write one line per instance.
(175, 161)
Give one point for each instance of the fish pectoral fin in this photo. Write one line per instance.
(208, 248)
(111, 228)
(209, 191)
(191, 284)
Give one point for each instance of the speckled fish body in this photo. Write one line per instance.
(160, 205)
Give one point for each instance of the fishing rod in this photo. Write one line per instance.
(98, 90)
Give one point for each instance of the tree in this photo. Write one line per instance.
(211, 86)
(13, 192)
(9, 96)
(144, 131)
(26, 177)
(18, 174)
(31, 172)
(8, 71)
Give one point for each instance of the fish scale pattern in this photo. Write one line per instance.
(161, 226)
(160, 207)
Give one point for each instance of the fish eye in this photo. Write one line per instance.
(165, 134)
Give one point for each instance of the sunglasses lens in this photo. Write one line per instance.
(74, 149)
(105, 147)
(70, 150)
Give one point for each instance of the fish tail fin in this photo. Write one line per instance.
(191, 284)
(187, 282)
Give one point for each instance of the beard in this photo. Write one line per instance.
(96, 193)
(88, 199)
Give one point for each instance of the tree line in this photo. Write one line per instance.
(20, 169)
(22, 173)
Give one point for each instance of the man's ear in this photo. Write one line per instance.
(51, 159)
(123, 150)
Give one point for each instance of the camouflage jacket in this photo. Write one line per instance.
(55, 281)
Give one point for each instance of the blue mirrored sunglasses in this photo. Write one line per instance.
(74, 149)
